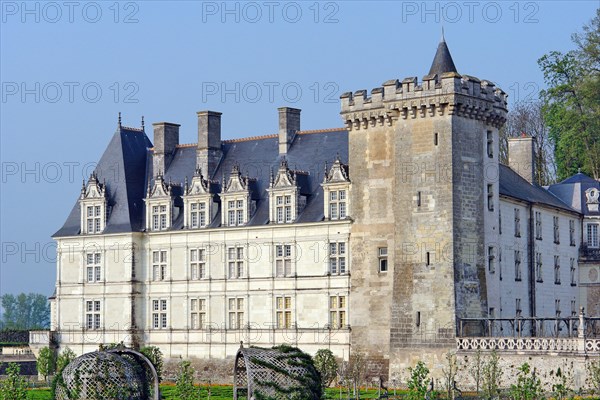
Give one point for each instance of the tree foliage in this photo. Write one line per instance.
(184, 385)
(25, 311)
(571, 104)
(14, 387)
(45, 362)
(327, 366)
(418, 381)
(155, 356)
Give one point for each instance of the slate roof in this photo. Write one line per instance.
(442, 62)
(122, 168)
(129, 154)
(126, 169)
(515, 186)
(572, 191)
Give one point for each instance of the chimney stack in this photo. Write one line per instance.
(166, 138)
(289, 125)
(208, 152)
(521, 156)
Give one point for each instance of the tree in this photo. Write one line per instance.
(527, 118)
(25, 311)
(571, 104)
(492, 375)
(418, 381)
(45, 362)
(64, 359)
(327, 366)
(155, 356)
(14, 386)
(184, 386)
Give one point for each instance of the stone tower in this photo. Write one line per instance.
(424, 163)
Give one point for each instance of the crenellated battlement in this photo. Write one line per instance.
(449, 93)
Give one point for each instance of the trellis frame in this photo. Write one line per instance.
(252, 369)
(121, 367)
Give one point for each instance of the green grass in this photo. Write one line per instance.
(217, 393)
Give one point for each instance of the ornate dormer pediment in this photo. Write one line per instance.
(93, 189)
(338, 173)
(236, 182)
(336, 188)
(93, 202)
(160, 188)
(198, 185)
(285, 177)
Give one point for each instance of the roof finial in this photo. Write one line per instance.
(119, 119)
(443, 39)
(579, 170)
(143, 127)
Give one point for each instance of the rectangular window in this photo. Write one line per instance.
(383, 259)
(490, 197)
(337, 258)
(538, 225)
(235, 260)
(538, 267)
(573, 272)
(337, 312)
(283, 260)
(283, 312)
(93, 218)
(517, 265)
(197, 264)
(517, 222)
(556, 231)
(573, 308)
(490, 144)
(557, 270)
(159, 265)
(500, 262)
(499, 220)
(592, 235)
(236, 313)
(557, 307)
(337, 204)
(93, 267)
(197, 215)
(435, 139)
(92, 314)
(236, 212)
(198, 313)
(491, 259)
(572, 232)
(418, 199)
(159, 314)
(518, 309)
(159, 217)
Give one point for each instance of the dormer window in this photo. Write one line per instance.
(162, 204)
(199, 202)
(236, 199)
(336, 187)
(286, 198)
(93, 206)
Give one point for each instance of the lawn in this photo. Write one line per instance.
(217, 393)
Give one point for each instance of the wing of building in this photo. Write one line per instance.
(381, 236)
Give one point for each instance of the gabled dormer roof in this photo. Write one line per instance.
(338, 172)
(285, 178)
(160, 188)
(442, 62)
(198, 186)
(237, 182)
(93, 189)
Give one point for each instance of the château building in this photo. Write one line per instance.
(380, 236)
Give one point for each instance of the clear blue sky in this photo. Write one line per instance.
(167, 60)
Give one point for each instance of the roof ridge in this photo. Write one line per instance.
(308, 132)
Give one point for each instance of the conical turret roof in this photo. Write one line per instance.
(442, 61)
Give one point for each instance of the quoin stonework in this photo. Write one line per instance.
(399, 235)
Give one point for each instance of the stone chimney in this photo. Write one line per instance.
(289, 125)
(521, 156)
(166, 138)
(208, 152)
